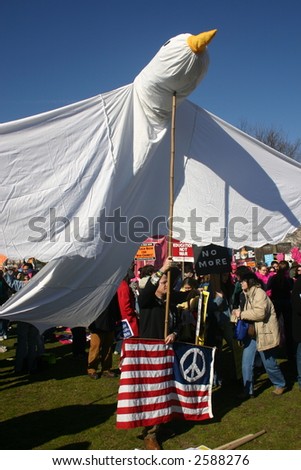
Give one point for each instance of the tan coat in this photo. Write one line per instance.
(260, 309)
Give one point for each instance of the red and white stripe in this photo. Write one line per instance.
(148, 393)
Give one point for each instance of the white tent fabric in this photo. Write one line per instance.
(84, 185)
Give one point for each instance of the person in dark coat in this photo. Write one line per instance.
(152, 301)
(296, 322)
(281, 285)
(102, 340)
(79, 341)
(152, 306)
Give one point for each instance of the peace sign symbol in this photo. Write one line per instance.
(193, 373)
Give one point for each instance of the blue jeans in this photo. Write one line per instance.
(268, 358)
(298, 360)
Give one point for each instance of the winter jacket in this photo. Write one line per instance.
(108, 318)
(4, 291)
(126, 302)
(260, 309)
(152, 312)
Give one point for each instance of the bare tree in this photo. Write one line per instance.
(274, 138)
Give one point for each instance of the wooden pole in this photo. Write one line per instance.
(240, 441)
(199, 319)
(171, 205)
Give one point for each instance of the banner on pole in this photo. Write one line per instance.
(146, 252)
(182, 252)
(213, 259)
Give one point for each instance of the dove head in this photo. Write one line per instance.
(178, 67)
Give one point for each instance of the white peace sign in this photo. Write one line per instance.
(192, 373)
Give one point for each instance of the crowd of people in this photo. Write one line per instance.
(30, 345)
(267, 299)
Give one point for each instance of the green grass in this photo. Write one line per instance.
(62, 408)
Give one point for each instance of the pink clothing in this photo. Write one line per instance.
(263, 277)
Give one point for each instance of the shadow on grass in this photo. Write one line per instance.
(223, 402)
(289, 370)
(66, 366)
(225, 398)
(35, 429)
(84, 445)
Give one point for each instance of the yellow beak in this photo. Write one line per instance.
(198, 43)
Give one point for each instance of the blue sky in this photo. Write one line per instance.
(55, 52)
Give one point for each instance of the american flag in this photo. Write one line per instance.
(160, 382)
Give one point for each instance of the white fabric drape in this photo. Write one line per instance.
(84, 185)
